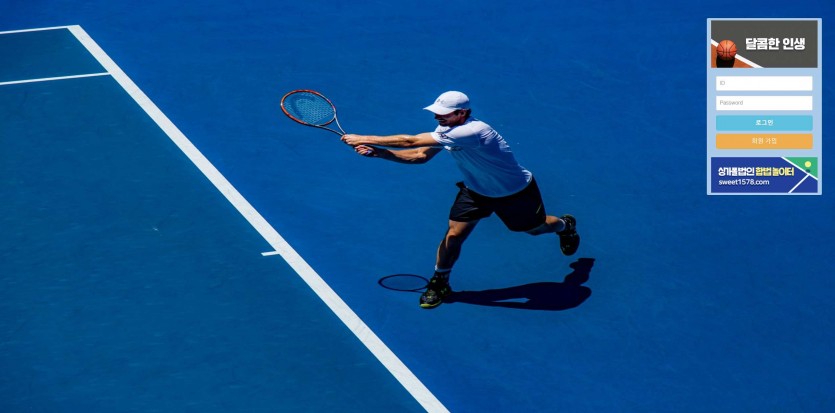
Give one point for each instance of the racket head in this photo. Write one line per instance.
(308, 107)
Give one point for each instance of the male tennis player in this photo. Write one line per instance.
(493, 182)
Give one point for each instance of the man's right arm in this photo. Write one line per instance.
(407, 156)
(396, 141)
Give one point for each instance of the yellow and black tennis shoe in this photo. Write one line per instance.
(437, 289)
(569, 239)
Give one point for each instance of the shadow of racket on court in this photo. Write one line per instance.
(545, 296)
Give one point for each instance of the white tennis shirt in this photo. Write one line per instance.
(484, 158)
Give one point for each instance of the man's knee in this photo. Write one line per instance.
(454, 236)
(458, 231)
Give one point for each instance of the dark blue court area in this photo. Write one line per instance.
(172, 243)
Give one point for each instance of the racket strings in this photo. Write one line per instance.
(310, 108)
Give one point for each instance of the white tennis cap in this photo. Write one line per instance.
(449, 102)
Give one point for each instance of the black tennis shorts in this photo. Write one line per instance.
(522, 211)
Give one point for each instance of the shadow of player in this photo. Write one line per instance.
(548, 296)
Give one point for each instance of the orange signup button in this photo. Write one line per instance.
(764, 141)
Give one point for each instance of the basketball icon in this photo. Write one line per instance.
(726, 50)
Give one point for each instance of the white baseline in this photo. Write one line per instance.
(50, 79)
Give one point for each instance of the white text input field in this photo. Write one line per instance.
(763, 83)
(763, 103)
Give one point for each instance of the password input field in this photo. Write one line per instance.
(741, 103)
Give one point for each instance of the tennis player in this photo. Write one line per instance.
(493, 182)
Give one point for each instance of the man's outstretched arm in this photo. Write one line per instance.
(407, 156)
(393, 141)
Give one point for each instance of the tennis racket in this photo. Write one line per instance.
(311, 108)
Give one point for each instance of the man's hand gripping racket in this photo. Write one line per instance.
(311, 108)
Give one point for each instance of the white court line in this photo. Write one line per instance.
(798, 184)
(35, 30)
(50, 79)
(394, 365)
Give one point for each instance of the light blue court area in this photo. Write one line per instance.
(44, 54)
(129, 283)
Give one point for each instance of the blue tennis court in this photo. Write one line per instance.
(173, 243)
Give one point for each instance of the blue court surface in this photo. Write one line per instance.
(172, 243)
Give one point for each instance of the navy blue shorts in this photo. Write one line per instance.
(522, 211)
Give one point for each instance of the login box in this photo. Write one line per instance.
(764, 107)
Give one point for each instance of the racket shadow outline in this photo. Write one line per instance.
(542, 296)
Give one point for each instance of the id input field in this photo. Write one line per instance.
(764, 83)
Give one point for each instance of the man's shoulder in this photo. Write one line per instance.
(473, 126)
(476, 123)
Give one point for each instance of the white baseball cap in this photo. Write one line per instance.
(449, 102)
